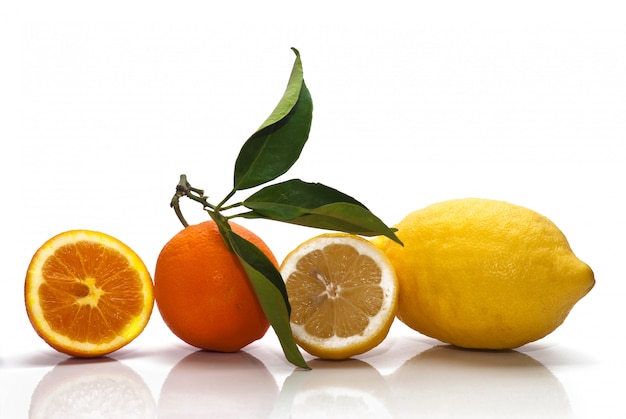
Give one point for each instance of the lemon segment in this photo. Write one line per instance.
(343, 294)
(484, 274)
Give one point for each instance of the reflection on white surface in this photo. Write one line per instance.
(218, 385)
(422, 381)
(334, 389)
(444, 382)
(103, 388)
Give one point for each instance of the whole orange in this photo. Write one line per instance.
(203, 293)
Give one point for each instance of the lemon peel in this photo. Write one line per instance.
(484, 274)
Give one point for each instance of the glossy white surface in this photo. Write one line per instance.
(104, 105)
(407, 376)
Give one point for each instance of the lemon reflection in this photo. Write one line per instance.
(445, 381)
(103, 388)
(334, 389)
(218, 385)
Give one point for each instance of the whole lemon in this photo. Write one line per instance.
(484, 274)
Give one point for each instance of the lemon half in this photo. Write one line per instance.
(343, 293)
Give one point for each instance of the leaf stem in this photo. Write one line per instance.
(218, 207)
(229, 207)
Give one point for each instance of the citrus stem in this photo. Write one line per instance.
(184, 188)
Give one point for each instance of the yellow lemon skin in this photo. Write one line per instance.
(484, 274)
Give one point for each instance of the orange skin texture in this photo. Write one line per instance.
(203, 293)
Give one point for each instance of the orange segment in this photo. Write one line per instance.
(87, 294)
(343, 294)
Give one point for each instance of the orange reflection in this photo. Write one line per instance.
(100, 387)
(218, 385)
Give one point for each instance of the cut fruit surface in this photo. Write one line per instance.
(87, 294)
(343, 294)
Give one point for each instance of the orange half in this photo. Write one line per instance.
(87, 294)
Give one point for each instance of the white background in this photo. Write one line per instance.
(104, 104)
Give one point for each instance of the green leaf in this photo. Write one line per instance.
(269, 288)
(278, 142)
(290, 97)
(290, 199)
(315, 205)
